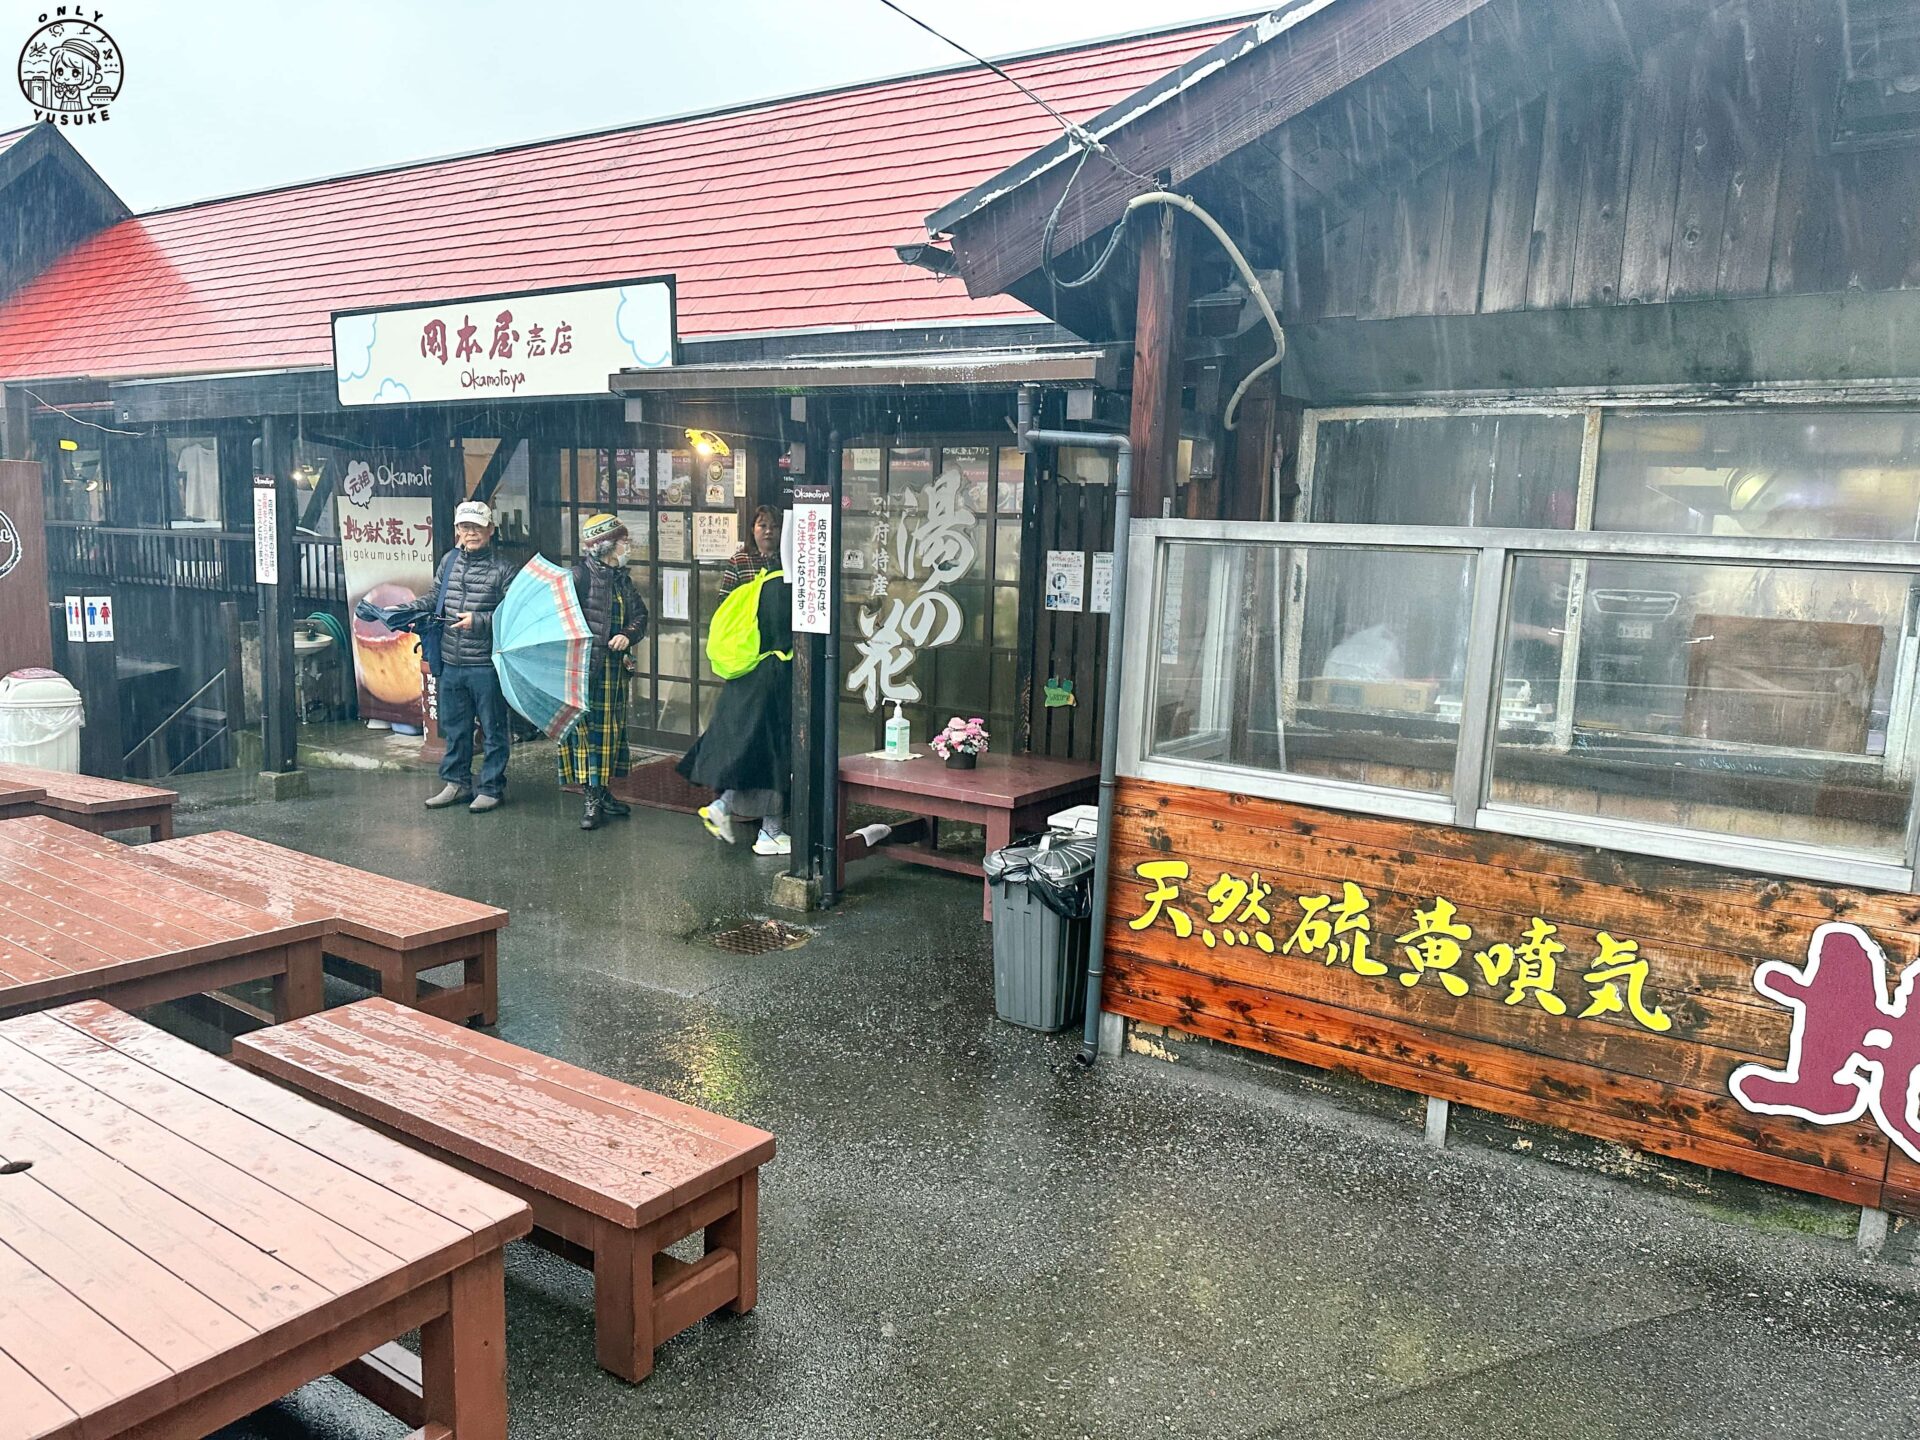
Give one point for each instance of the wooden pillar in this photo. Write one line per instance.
(16, 436)
(99, 685)
(815, 702)
(279, 707)
(1159, 333)
(26, 634)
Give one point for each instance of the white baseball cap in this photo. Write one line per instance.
(473, 512)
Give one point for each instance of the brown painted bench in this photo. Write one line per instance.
(614, 1174)
(95, 805)
(391, 928)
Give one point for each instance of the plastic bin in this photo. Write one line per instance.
(1041, 903)
(40, 720)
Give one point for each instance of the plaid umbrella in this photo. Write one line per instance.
(541, 647)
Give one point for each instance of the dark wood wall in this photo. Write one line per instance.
(1702, 931)
(1704, 171)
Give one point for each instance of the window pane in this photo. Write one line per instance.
(1358, 680)
(1006, 550)
(909, 468)
(193, 470)
(1011, 479)
(676, 649)
(860, 477)
(1845, 475)
(1504, 470)
(1751, 700)
(1006, 616)
(972, 462)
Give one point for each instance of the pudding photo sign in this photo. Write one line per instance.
(386, 552)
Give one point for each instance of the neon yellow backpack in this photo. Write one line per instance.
(733, 639)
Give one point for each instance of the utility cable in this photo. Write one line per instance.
(1091, 144)
(79, 420)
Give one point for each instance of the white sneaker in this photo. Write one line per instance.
(718, 822)
(765, 844)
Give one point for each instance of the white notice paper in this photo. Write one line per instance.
(1100, 592)
(672, 541)
(673, 595)
(715, 536)
(266, 537)
(1066, 579)
(812, 523)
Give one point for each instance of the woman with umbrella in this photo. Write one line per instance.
(594, 752)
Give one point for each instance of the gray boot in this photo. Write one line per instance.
(452, 795)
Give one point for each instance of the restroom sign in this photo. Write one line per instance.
(99, 621)
(76, 620)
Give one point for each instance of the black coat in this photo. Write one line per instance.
(595, 585)
(475, 581)
(748, 745)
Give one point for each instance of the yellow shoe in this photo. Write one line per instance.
(718, 822)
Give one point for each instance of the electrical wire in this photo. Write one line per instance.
(1091, 144)
(78, 420)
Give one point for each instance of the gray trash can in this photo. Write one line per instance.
(1041, 903)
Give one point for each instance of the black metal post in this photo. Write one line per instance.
(99, 683)
(830, 817)
(279, 707)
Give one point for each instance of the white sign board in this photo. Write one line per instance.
(1100, 588)
(99, 618)
(715, 535)
(495, 347)
(76, 621)
(266, 536)
(812, 522)
(1066, 579)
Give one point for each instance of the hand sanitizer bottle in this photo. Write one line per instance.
(899, 735)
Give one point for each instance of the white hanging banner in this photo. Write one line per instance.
(266, 533)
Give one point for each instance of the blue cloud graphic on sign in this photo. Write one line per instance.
(644, 321)
(353, 345)
(391, 392)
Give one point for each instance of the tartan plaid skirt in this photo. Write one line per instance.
(595, 750)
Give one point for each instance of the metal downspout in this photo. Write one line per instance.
(1110, 717)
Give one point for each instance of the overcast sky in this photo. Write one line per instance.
(222, 97)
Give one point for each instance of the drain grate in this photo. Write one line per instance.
(759, 937)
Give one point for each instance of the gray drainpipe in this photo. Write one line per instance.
(1110, 718)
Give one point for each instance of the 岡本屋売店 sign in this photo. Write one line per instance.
(539, 343)
(812, 523)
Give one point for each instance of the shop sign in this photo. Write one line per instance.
(932, 545)
(1431, 946)
(543, 343)
(716, 535)
(385, 510)
(812, 524)
(1853, 1050)
(9, 545)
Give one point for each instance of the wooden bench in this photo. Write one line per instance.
(97, 806)
(80, 920)
(614, 1174)
(17, 799)
(391, 928)
(1006, 794)
(186, 1243)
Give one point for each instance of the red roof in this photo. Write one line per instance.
(779, 217)
(12, 137)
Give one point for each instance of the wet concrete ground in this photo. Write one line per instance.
(966, 1234)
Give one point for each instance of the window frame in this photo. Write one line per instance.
(1469, 806)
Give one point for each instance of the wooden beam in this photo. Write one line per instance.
(1262, 89)
(1158, 351)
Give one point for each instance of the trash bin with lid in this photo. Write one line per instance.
(40, 720)
(1042, 898)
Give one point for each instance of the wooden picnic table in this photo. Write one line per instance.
(80, 920)
(97, 806)
(186, 1242)
(391, 928)
(1008, 794)
(19, 798)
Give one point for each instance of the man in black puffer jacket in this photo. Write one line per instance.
(473, 579)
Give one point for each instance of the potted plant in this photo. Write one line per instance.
(961, 743)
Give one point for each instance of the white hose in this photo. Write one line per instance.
(1195, 209)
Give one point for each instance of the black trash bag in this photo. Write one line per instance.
(1061, 874)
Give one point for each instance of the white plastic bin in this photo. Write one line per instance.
(40, 720)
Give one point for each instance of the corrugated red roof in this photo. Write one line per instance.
(11, 137)
(780, 217)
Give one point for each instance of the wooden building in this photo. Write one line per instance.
(1526, 717)
(155, 365)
